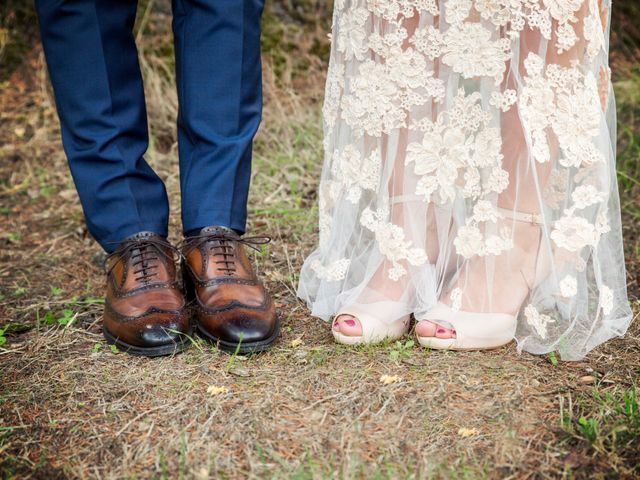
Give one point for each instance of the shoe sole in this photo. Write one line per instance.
(349, 340)
(159, 351)
(435, 343)
(346, 339)
(242, 348)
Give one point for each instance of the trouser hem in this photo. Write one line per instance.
(222, 217)
(111, 242)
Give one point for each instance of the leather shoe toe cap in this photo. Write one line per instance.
(246, 329)
(158, 335)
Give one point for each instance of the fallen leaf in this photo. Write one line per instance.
(467, 432)
(296, 343)
(587, 379)
(217, 390)
(203, 474)
(388, 379)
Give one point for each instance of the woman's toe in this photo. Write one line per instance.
(350, 326)
(443, 332)
(425, 328)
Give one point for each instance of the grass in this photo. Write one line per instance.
(606, 423)
(628, 95)
(70, 407)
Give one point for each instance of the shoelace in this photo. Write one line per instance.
(144, 257)
(222, 246)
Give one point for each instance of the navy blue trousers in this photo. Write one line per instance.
(93, 65)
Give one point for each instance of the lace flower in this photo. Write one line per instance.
(469, 50)
(391, 9)
(503, 100)
(439, 156)
(606, 299)
(356, 173)
(456, 299)
(380, 94)
(469, 241)
(372, 105)
(563, 10)
(408, 68)
(351, 33)
(577, 117)
(484, 211)
(568, 286)
(593, 30)
(537, 320)
(333, 272)
(391, 241)
(457, 11)
(586, 195)
(429, 41)
(574, 233)
(333, 91)
(498, 180)
(496, 244)
(487, 148)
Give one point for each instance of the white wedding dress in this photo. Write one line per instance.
(439, 117)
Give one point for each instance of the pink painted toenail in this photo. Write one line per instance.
(441, 330)
(350, 322)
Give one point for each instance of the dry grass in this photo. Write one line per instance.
(72, 408)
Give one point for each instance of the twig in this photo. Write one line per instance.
(136, 418)
(322, 400)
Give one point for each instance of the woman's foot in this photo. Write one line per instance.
(380, 310)
(347, 325)
(492, 284)
(427, 328)
(370, 323)
(381, 320)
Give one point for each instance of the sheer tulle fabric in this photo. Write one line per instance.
(447, 125)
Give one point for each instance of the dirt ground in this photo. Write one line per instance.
(70, 407)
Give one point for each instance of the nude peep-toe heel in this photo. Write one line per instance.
(373, 319)
(484, 331)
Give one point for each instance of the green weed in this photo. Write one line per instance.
(401, 350)
(607, 422)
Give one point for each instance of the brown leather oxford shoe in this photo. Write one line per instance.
(231, 306)
(145, 311)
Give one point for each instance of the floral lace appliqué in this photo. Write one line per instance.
(537, 320)
(333, 272)
(392, 242)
